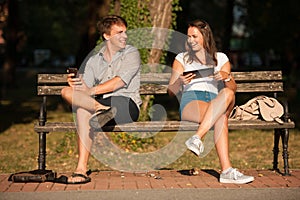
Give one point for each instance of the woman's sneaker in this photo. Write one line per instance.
(195, 144)
(234, 176)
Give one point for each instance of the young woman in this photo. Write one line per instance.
(208, 94)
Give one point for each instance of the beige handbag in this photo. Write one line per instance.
(268, 108)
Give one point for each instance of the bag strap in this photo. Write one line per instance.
(270, 108)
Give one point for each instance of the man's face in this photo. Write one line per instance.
(117, 37)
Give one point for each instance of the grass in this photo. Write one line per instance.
(249, 149)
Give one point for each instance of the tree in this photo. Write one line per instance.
(274, 25)
(149, 13)
(161, 15)
(89, 35)
(9, 25)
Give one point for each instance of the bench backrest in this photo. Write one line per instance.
(156, 83)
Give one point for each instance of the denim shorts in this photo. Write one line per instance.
(189, 96)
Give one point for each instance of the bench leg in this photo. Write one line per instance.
(285, 140)
(277, 134)
(42, 151)
(40, 174)
(285, 153)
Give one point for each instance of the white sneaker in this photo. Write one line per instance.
(195, 144)
(234, 176)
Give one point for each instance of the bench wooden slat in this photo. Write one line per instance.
(55, 79)
(167, 126)
(164, 77)
(162, 89)
(260, 87)
(258, 76)
(144, 89)
(52, 78)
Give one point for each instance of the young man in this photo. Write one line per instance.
(107, 91)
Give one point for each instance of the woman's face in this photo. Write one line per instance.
(195, 38)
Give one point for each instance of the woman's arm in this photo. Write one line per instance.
(225, 75)
(175, 83)
(177, 79)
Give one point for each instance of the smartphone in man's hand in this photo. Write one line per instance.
(72, 70)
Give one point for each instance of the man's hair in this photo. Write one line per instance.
(105, 24)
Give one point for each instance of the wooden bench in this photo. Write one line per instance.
(268, 82)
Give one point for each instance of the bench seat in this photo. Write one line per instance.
(166, 126)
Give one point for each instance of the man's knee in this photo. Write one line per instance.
(66, 92)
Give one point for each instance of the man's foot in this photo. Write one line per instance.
(77, 178)
(101, 117)
(234, 176)
(195, 145)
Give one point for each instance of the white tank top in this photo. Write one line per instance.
(202, 84)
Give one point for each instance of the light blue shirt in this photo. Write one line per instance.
(125, 64)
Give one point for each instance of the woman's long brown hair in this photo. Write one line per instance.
(209, 43)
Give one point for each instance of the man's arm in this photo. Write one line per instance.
(107, 87)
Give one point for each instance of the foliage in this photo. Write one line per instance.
(52, 26)
(132, 142)
(271, 30)
(137, 15)
(66, 142)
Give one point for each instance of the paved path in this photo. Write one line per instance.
(163, 184)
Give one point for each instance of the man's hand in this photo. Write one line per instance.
(79, 85)
(73, 81)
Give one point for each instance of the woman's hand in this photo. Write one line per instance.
(221, 75)
(186, 79)
(227, 79)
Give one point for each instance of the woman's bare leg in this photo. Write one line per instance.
(208, 113)
(222, 142)
(214, 114)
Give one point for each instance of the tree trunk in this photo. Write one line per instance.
(161, 15)
(117, 7)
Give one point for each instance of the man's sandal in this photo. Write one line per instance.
(86, 179)
(65, 180)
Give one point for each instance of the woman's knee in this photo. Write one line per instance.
(229, 94)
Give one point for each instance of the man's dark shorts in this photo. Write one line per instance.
(127, 110)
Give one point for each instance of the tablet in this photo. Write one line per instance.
(201, 73)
